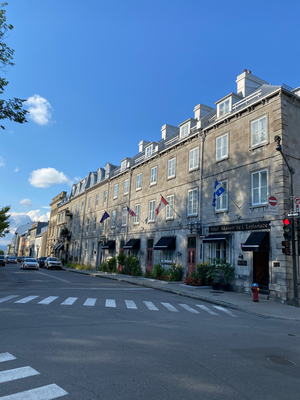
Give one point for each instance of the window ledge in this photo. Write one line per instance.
(153, 184)
(222, 159)
(221, 211)
(257, 146)
(192, 215)
(171, 177)
(193, 169)
(138, 189)
(126, 194)
(151, 222)
(258, 206)
(170, 219)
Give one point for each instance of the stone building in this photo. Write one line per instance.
(232, 143)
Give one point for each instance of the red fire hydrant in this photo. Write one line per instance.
(255, 290)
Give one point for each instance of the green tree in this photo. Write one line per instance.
(1, 253)
(9, 109)
(4, 221)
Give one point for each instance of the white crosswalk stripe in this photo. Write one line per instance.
(150, 305)
(26, 299)
(48, 300)
(131, 304)
(17, 373)
(188, 308)
(69, 301)
(225, 310)
(48, 392)
(8, 298)
(6, 357)
(90, 302)
(206, 309)
(110, 303)
(169, 307)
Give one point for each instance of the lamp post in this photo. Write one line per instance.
(295, 301)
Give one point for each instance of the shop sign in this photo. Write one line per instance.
(251, 226)
(242, 262)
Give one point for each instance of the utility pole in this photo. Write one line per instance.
(295, 301)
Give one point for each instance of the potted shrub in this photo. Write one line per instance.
(227, 272)
(213, 272)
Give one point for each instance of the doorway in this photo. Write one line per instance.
(261, 268)
(191, 254)
(149, 255)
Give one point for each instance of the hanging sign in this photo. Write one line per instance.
(273, 205)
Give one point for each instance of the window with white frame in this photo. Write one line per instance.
(221, 203)
(62, 216)
(224, 107)
(97, 199)
(149, 150)
(151, 217)
(107, 171)
(113, 219)
(124, 216)
(153, 175)
(59, 215)
(90, 202)
(85, 249)
(76, 208)
(167, 256)
(123, 165)
(170, 207)
(87, 225)
(222, 147)
(116, 188)
(171, 168)
(138, 181)
(259, 131)
(192, 202)
(95, 224)
(194, 158)
(104, 196)
(184, 130)
(126, 186)
(260, 187)
(82, 205)
(137, 208)
(92, 250)
(92, 180)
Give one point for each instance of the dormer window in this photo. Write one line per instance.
(92, 180)
(224, 107)
(184, 130)
(149, 150)
(107, 171)
(123, 165)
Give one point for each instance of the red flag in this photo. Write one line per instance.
(162, 204)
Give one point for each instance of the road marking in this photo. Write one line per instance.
(110, 303)
(224, 310)
(48, 300)
(90, 302)
(26, 299)
(69, 301)
(48, 392)
(8, 298)
(130, 304)
(6, 357)
(169, 307)
(108, 288)
(54, 277)
(206, 309)
(17, 373)
(188, 308)
(150, 305)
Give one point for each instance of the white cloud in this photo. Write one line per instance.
(45, 207)
(46, 177)
(25, 202)
(2, 164)
(36, 215)
(17, 169)
(39, 108)
(77, 179)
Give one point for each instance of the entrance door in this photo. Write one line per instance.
(261, 267)
(149, 255)
(191, 255)
(99, 259)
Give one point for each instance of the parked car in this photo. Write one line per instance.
(19, 258)
(41, 261)
(2, 261)
(53, 262)
(11, 259)
(30, 263)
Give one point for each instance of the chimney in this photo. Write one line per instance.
(201, 110)
(142, 145)
(248, 83)
(168, 130)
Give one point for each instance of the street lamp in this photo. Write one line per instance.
(295, 301)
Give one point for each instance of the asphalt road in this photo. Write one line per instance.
(72, 336)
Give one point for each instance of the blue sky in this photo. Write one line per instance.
(100, 76)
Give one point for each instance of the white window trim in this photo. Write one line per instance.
(188, 124)
(225, 155)
(169, 208)
(124, 216)
(259, 187)
(222, 196)
(172, 176)
(197, 166)
(151, 211)
(126, 180)
(137, 218)
(113, 219)
(123, 165)
(154, 182)
(104, 196)
(263, 141)
(150, 148)
(223, 102)
(116, 189)
(196, 213)
(139, 187)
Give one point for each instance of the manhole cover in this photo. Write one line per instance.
(281, 360)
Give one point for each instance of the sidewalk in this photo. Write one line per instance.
(239, 301)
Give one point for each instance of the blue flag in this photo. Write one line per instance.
(218, 190)
(104, 217)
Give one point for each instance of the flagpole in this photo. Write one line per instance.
(172, 208)
(232, 198)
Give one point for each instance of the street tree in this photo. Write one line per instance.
(11, 109)
(4, 221)
(1, 253)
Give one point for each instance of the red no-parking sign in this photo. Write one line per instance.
(296, 203)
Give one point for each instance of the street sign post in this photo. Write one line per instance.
(296, 203)
(273, 205)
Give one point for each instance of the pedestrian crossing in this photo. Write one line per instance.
(129, 304)
(48, 392)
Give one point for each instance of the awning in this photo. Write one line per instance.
(60, 247)
(56, 246)
(166, 243)
(220, 238)
(132, 244)
(257, 241)
(109, 245)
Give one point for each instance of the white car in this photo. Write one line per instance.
(30, 263)
(53, 262)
